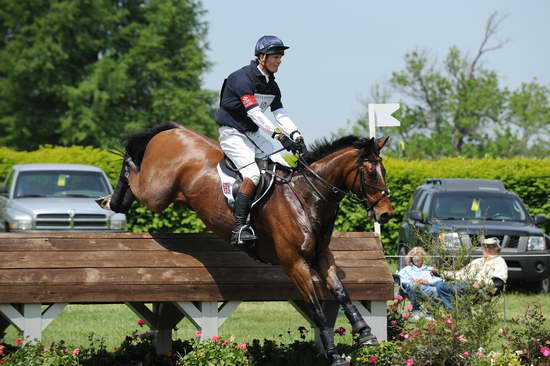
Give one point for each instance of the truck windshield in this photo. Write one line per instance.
(478, 206)
(61, 183)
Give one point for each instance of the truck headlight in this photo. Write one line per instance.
(21, 223)
(536, 243)
(450, 240)
(118, 224)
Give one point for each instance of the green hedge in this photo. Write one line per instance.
(529, 178)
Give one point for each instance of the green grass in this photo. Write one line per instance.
(271, 320)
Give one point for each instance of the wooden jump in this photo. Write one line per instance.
(194, 275)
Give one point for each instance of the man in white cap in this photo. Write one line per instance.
(486, 272)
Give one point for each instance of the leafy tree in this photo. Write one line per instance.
(459, 108)
(86, 72)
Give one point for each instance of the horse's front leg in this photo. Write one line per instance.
(300, 272)
(328, 271)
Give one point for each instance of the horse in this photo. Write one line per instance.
(173, 164)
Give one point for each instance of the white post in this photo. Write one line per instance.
(372, 133)
(375, 314)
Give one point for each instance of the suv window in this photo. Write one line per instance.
(478, 205)
(425, 208)
(418, 200)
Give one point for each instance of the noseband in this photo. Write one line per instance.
(361, 197)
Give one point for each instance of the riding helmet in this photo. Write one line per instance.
(269, 45)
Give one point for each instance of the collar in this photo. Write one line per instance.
(259, 72)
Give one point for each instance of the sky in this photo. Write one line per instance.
(340, 49)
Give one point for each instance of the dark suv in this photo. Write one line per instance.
(458, 211)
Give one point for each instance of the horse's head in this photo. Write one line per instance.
(366, 177)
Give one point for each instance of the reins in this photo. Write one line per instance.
(361, 197)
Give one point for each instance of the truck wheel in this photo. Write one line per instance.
(539, 287)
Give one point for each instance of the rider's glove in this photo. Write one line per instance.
(298, 138)
(287, 143)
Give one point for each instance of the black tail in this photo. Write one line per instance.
(137, 142)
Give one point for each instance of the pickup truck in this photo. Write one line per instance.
(56, 197)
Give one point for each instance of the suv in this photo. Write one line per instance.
(56, 197)
(457, 211)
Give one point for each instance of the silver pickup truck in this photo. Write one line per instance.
(56, 197)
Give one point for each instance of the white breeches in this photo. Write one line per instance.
(243, 152)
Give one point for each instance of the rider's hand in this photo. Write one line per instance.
(298, 138)
(288, 144)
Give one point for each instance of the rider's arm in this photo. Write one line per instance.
(259, 118)
(286, 124)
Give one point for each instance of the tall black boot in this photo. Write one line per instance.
(241, 234)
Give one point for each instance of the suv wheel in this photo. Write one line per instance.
(402, 254)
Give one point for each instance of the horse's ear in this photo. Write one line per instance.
(381, 142)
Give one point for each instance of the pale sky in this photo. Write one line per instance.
(339, 49)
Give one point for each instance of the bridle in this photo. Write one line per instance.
(361, 197)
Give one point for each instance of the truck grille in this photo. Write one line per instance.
(65, 221)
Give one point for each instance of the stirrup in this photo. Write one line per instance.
(104, 202)
(237, 241)
(367, 340)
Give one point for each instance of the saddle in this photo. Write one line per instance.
(270, 172)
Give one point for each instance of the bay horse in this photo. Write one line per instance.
(173, 164)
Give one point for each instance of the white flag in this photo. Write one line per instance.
(382, 114)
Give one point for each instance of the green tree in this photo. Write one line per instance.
(86, 72)
(460, 108)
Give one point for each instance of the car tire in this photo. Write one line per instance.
(539, 287)
(402, 253)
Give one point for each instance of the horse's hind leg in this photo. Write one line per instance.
(327, 269)
(300, 273)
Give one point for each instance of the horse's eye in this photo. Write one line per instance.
(371, 173)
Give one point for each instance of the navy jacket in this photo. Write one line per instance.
(244, 89)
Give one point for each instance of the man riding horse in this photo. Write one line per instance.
(245, 96)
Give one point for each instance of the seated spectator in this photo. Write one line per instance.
(489, 272)
(417, 279)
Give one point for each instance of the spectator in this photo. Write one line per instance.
(488, 273)
(417, 279)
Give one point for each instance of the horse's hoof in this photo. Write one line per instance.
(104, 202)
(339, 361)
(368, 340)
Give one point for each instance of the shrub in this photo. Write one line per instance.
(384, 354)
(215, 351)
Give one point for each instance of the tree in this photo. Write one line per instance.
(460, 109)
(87, 72)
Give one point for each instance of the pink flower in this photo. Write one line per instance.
(545, 351)
(340, 331)
(393, 322)
(399, 297)
(461, 338)
(405, 315)
(409, 308)
(409, 363)
(242, 346)
(140, 322)
(215, 338)
(479, 353)
(76, 351)
(449, 321)
(18, 341)
(225, 343)
(373, 359)
(466, 354)
(198, 333)
(407, 336)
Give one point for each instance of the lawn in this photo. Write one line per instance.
(271, 320)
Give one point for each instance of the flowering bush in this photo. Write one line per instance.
(531, 340)
(57, 354)
(386, 353)
(215, 351)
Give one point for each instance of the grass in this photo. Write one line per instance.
(271, 320)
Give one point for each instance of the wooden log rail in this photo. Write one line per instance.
(194, 275)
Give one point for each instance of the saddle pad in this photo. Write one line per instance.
(227, 185)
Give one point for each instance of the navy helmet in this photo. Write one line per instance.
(269, 45)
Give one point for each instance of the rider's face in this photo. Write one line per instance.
(271, 62)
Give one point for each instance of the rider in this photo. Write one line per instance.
(245, 96)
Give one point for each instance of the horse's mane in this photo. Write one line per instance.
(136, 142)
(321, 148)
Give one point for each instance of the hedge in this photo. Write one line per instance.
(528, 178)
